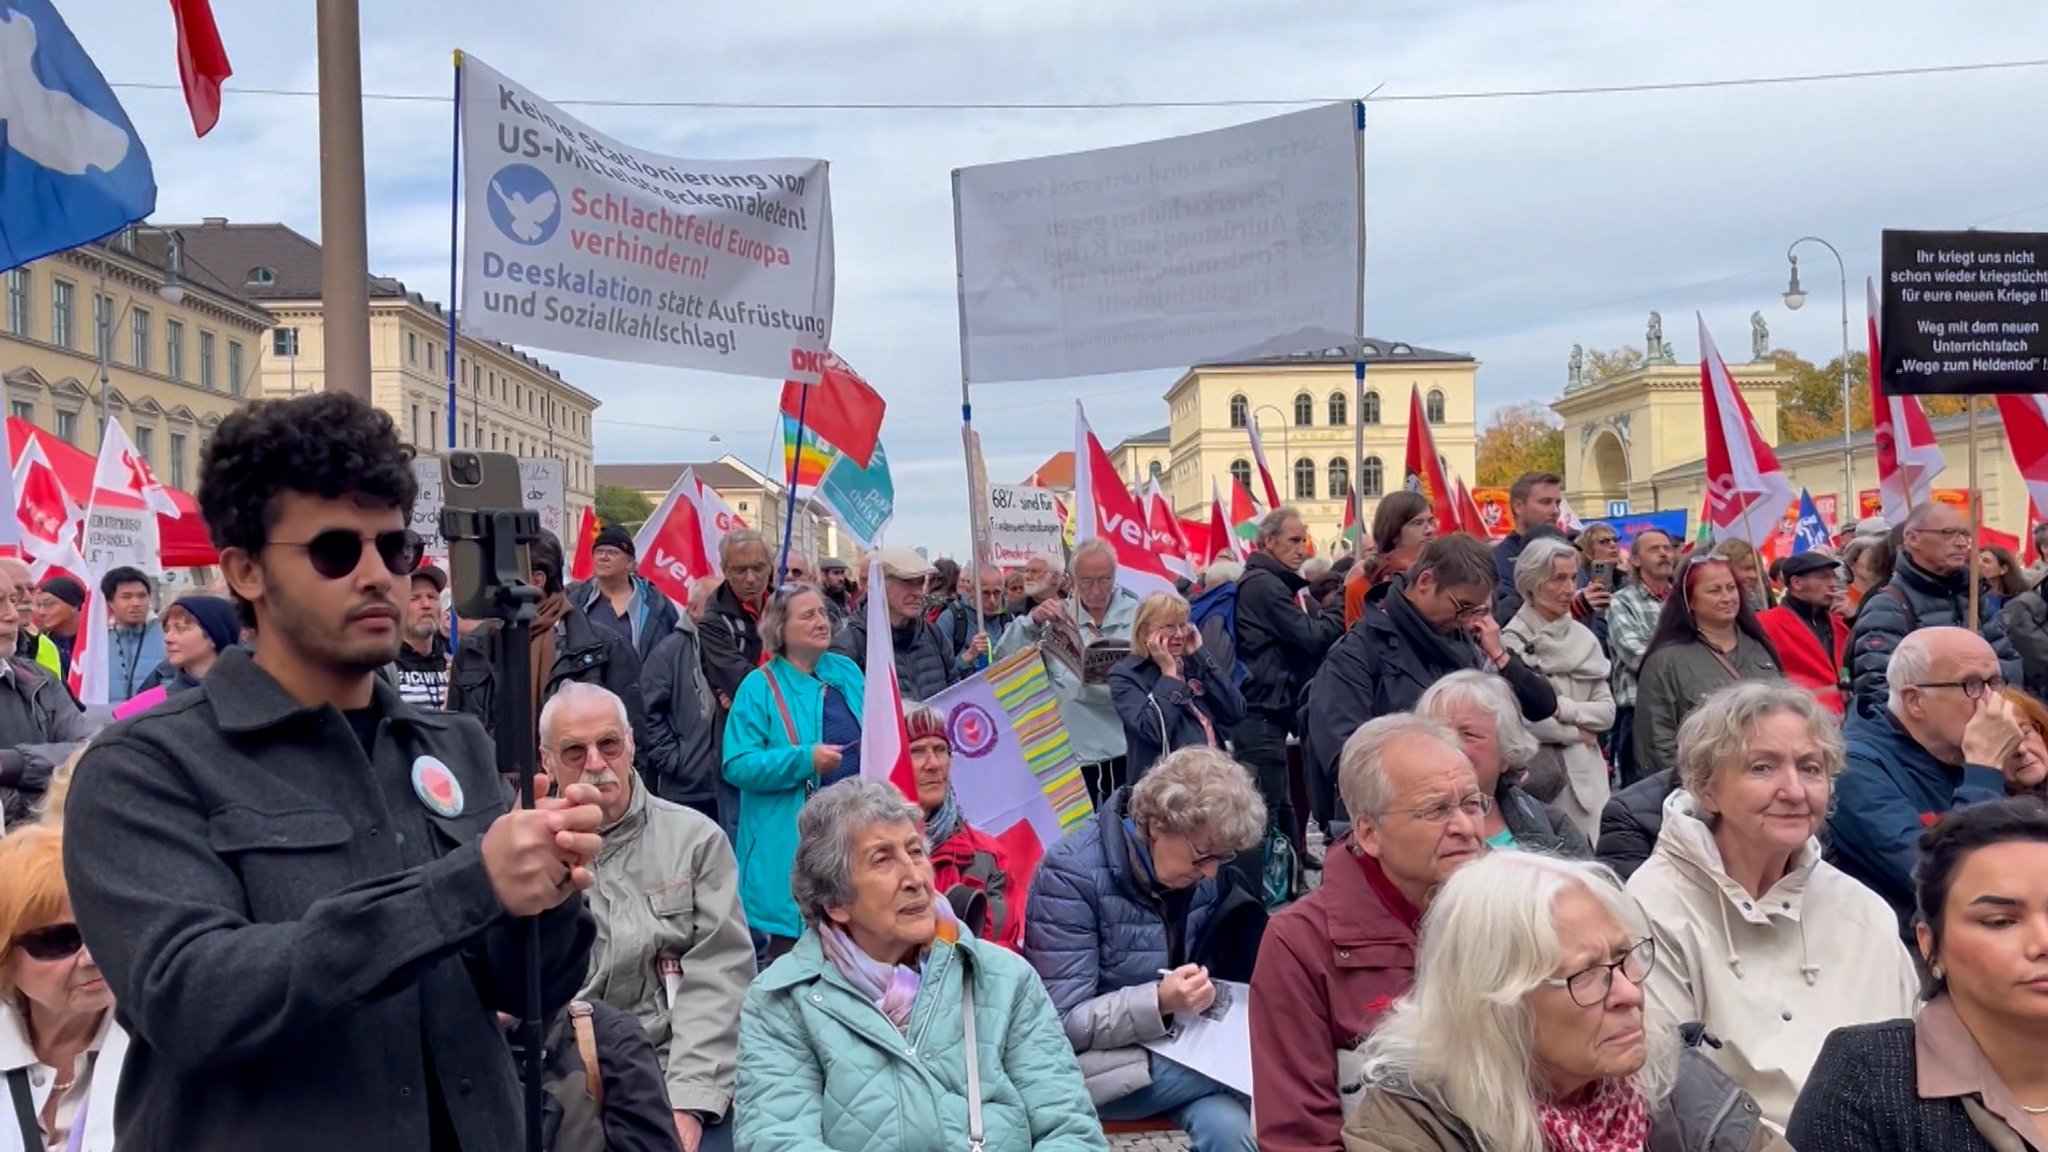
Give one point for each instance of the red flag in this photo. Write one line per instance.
(1221, 542)
(583, 567)
(843, 411)
(1425, 468)
(679, 543)
(1104, 509)
(885, 739)
(1747, 492)
(1265, 473)
(1470, 521)
(1166, 539)
(202, 61)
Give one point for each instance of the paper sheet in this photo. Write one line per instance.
(1217, 1043)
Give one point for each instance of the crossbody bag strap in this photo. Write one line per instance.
(585, 1030)
(782, 705)
(975, 1136)
(32, 1128)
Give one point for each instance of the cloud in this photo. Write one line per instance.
(1507, 228)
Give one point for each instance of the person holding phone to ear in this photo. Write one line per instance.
(1167, 692)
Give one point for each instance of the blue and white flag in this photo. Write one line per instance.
(1810, 534)
(72, 168)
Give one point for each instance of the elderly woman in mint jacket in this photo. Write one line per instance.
(1167, 692)
(794, 728)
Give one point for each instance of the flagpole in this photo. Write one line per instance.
(1976, 518)
(1358, 361)
(975, 531)
(344, 232)
(454, 242)
(795, 469)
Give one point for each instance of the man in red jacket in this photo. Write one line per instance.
(1809, 627)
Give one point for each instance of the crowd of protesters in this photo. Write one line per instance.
(1566, 844)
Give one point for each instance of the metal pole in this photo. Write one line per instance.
(454, 247)
(1358, 362)
(103, 339)
(1976, 519)
(344, 235)
(976, 533)
(1848, 444)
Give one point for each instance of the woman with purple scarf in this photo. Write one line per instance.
(886, 1026)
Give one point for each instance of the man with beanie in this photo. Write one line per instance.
(421, 669)
(619, 600)
(1809, 627)
(58, 603)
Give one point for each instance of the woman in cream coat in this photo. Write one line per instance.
(1546, 637)
(1758, 938)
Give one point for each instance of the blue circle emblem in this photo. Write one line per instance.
(524, 204)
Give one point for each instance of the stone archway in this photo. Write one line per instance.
(1604, 468)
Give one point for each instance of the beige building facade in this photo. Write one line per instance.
(181, 348)
(760, 500)
(1305, 411)
(506, 400)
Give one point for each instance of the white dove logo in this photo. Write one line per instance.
(524, 205)
(48, 126)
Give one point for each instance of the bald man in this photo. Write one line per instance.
(1944, 738)
(1930, 587)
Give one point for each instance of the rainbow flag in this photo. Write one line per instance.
(812, 462)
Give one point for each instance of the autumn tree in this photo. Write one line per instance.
(1520, 438)
(1810, 403)
(1602, 366)
(622, 506)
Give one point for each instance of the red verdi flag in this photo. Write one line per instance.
(1747, 492)
(843, 410)
(202, 61)
(1104, 508)
(1425, 468)
(885, 739)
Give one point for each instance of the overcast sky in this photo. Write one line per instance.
(1507, 228)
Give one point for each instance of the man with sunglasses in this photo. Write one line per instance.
(1929, 588)
(303, 891)
(672, 944)
(1945, 738)
(1435, 620)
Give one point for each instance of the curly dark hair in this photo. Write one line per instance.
(323, 444)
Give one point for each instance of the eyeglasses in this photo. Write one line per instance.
(1205, 859)
(574, 756)
(1476, 806)
(1591, 986)
(56, 942)
(760, 569)
(336, 552)
(1094, 581)
(1949, 534)
(1974, 687)
(1468, 611)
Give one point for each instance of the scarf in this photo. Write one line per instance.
(1614, 1117)
(892, 987)
(941, 825)
(1437, 650)
(540, 653)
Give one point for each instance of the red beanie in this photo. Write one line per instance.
(925, 723)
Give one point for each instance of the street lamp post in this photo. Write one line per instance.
(1286, 453)
(171, 291)
(1795, 297)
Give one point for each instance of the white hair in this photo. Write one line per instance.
(1537, 562)
(1273, 523)
(1221, 572)
(1911, 661)
(1362, 765)
(735, 539)
(1716, 735)
(821, 877)
(1462, 1037)
(1491, 695)
(1203, 794)
(574, 692)
(1315, 567)
(1093, 546)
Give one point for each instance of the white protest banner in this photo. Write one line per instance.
(541, 476)
(120, 517)
(577, 242)
(426, 508)
(1229, 245)
(121, 537)
(1024, 522)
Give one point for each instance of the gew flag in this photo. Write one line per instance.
(72, 168)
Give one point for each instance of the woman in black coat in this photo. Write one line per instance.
(1167, 692)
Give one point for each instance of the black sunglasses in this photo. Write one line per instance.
(56, 942)
(336, 552)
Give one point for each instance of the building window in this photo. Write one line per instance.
(1370, 477)
(61, 330)
(1241, 472)
(24, 410)
(1304, 410)
(433, 360)
(284, 342)
(1340, 478)
(1157, 471)
(236, 384)
(103, 326)
(1369, 412)
(177, 460)
(139, 329)
(206, 374)
(1340, 410)
(145, 445)
(260, 277)
(1240, 412)
(1304, 479)
(67, 427)
(412, 349)
(174, 350)
(17, 301)
(416, 424)
(1433, 407)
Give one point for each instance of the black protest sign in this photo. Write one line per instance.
(1965, 312)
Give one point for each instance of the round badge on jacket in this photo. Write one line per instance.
(436, 787)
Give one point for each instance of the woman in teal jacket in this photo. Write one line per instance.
(857, 1040)
(794, 728)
